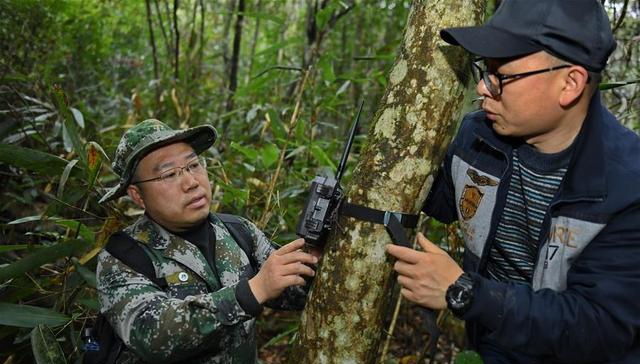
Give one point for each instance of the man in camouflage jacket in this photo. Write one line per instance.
(206, 313)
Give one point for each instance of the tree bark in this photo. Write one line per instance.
(342, 322)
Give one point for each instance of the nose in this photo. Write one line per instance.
(189, 181)
(482, 90)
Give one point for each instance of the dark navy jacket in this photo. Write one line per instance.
(584, 302)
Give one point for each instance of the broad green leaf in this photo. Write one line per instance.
(33, 160)
(12, 314)
(40, 257)
(468, 357)
(45, 347)
(65, 176)
(276, 125)
(250, 153)
(270, 154)
(322, 157)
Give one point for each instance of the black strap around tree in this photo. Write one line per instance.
(376, 216)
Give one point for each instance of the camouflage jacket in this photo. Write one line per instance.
(196, 319)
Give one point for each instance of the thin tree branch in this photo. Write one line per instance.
(153, 52)
(176, 72)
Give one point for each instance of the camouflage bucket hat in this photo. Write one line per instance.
(146, 137)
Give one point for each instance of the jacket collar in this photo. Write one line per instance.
(585, 176)
(172, 247)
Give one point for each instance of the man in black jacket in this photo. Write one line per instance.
(543, 181)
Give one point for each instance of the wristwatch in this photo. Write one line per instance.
(459, 295)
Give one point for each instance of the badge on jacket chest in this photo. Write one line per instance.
(469, 201)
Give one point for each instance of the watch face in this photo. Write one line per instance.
(460, 294)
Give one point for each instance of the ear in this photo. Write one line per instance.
(575, 83)
(136, 195)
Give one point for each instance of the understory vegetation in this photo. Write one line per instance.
(281, 82)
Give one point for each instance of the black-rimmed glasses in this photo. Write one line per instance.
(170, 176)
(493, 80)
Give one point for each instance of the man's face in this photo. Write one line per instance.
(528, 107)
(177, 205)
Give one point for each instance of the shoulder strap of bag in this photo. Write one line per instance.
(126, 249)
(240, 234)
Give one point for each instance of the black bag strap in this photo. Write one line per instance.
(130, 252)
(240, 234)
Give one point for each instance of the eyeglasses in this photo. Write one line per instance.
(195, 166)
(493, 80)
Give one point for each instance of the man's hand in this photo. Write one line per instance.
(424, 276)
(282, 269)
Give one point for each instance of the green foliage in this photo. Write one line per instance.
(75, 74)
(468, 357)
(30, 316)
(46, 349)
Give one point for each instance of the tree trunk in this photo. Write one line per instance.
(176, 32)
(342, 322)
(235, 60)
(152, 41)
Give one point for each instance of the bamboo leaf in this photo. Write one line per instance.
(71, 136)
(251, 154)
(326, 65)
(12, 314)
(25, 219)
(84, 232)
(45, 347)
(10, 248)
(322, 157)
(95, 156)
(270, 154)
(87, 274)
(77, 115)
(609, 85)
(40, 257)
(276, 125)
(343, 88)
(32, 160)
(265, 16)
(65, 177)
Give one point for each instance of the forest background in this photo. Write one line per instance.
(280, 80)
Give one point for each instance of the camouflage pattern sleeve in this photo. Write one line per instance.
(161, 326)
(293, 298)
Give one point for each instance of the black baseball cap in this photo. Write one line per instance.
(577, 31)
